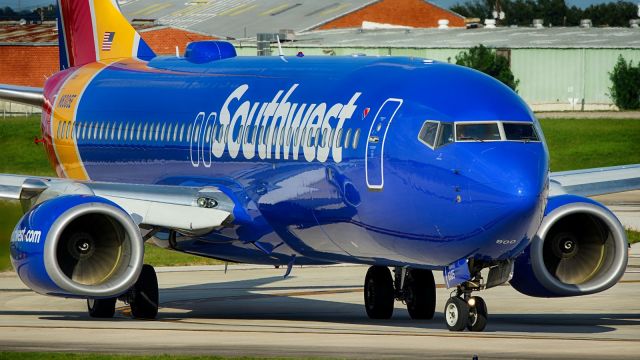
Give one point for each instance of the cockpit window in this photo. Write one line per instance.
(520, 132)
(436, 134)
(446, 134)
(478, 132)
(428, 133)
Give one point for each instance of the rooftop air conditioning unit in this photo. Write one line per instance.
(287, 35)
(634, 23)
(490, 23)
(443, 24)
(586, 23)
(538, 23)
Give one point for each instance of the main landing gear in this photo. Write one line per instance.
(143, 298)
(415, 287)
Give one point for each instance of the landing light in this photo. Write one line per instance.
(472, 302)
(204, 202)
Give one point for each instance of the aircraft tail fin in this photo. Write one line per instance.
(96, 30)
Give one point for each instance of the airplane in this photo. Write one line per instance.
(408, 165)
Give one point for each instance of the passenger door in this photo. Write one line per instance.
(374, 159)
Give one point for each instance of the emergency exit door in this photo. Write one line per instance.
(374, 160)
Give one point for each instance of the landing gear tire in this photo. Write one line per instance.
(101, 308)
(478, 314)
(420, 294)
(379, 293)
(456, 314)
(144, 295)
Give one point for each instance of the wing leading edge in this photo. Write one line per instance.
(22, 94)
(596, 181)
(172, 207)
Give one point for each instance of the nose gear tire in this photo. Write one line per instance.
(456, 314)
(478, 315)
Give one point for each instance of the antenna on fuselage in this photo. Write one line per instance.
(280, 53)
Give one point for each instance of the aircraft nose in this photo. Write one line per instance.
(509, 174)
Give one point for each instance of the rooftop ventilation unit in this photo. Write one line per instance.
(490, 23)
(264, 41)
(538, 23)
(586, 23)
(443, 24)
(287, 35)
(634, 23)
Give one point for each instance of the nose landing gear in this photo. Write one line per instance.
(464, 311)
(478, 314)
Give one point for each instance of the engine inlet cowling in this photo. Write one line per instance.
(77, 246)
(579, 249)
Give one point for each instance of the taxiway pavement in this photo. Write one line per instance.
(318, 311)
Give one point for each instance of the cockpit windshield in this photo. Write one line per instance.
(478, 132)
(436, 134)
(520, 132)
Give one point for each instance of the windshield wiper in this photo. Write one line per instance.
(470, 138)
(527, 139)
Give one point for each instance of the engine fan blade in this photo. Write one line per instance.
(582, 266)
(96, 268)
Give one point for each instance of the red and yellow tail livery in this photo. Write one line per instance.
(96, 30)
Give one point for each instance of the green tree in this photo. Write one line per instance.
(489, 62)
(555, 12)
(49, 13)
(611, 14)
(624, 90)
(519, 12)
(477, 8)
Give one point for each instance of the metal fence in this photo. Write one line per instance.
(12, 110)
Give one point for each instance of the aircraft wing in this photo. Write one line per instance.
(171, 207)
(597, 181)
(22, 94)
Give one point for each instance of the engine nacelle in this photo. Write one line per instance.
(580, 249)
(77, 246)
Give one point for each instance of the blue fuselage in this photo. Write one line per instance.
(322, 156)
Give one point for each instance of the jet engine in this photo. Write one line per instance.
(77, 246)
(579, 249)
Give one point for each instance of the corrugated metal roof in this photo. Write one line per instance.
(240, 18)
(28, 34)
(43, 34)
(557, 37)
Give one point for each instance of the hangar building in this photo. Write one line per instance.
(559, 68)
(245, 18)
(29, 54)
